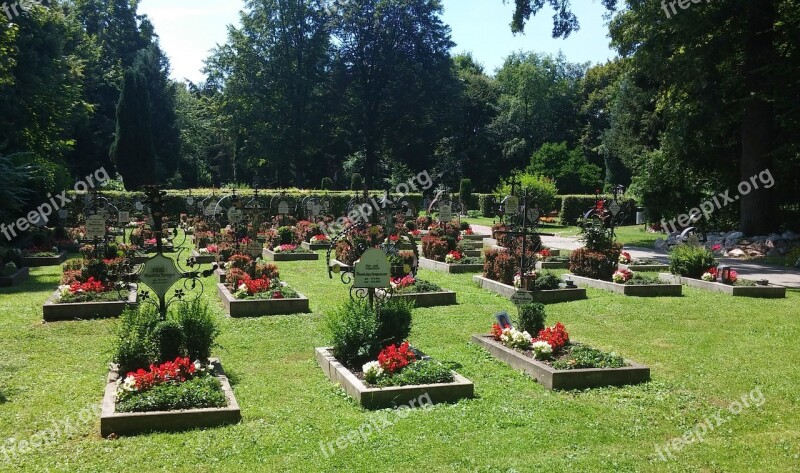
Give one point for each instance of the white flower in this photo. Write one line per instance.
(513, 338)
(541, 349)
(708, 277)
(198, 366)
(242, 287)
(372, 372)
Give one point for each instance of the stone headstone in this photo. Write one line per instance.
(95, 226)
(283, 207)
(445, 213)
(124, 217)
(511, 205)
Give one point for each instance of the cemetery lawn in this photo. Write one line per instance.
(705, 351)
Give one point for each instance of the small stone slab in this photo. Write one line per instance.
(430, 299)
(52, 311)
(553, 296)
(645, 268)
(256, 308)
(342, 266)
(764, 292)
(564, 379)
(270, 255)
(488, 243)
(203, 259)
(449, 268)
(375, 398)
(132, 423)
(221, 275)
(38, 262)
(639, 290)
(15, 279)
(540, 265)
(315, 246)
(474, 237)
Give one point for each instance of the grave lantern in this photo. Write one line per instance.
(723, 273)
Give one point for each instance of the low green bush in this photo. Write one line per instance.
(691, 261)
(353, 329)
(197, 393)
(593, 264)
(532, 318)
(200, 329)
(581, 356)
(169, 338)
(419, 373)
(394, 322)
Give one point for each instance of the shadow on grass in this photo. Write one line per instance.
(32, 284)
(3, 398)
(646, 244)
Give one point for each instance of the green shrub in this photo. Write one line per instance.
(420, 287)
(573, 207)
(586, 357)
(486, 202)
(691, 261)
(356, 182)
(419, 373)
(327, 184)
(200, 329)
(353, 330)
(197, 393)
(394, 322)
(8, 269)
(434, 248)
(541, 190)
(597, 239)
(134, 347)
(546, 282)
(169, 340)
(286, 235)
(531, 318)
(465, 192)
(499, 266)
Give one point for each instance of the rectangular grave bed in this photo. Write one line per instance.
(645, 268)
(315, 246)
(552, 296)
(270, 255)
(132, 423)
(257, 308)
(489, 242)
(552, 265)
(53, 311)
(764, 292)
(564, 379)
(203, 259)
(15, 279)
(449, 268)
(430, 299)
(38, 262)
(644, 290)
(477, 238)
(374, 398)
(473, 253)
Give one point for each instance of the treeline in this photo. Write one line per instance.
(368, 92)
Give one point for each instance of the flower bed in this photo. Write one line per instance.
(206, 255)
(625, 287)
(317, 242)
(55, 310)
(213, 389)
(36, 260)
(255, 307)
(766, 292)
(422, 293)
(289, 253)
(373, 397)
(545, 297)
(553, 360)
(8, 279)
(455, 268)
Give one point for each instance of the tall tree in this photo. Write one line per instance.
(133, 151)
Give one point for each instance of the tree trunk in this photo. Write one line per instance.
(757, 212)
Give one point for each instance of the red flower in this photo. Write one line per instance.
(393, 359)
(497, 331)
(556, 336)
(394, 238)
(92, 285)
(406, 281)
(171, 371)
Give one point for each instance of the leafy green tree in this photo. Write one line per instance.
(133, 151)
(569, 169)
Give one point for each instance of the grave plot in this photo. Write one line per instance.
(12, 270)
(392, 372)
(551, 358)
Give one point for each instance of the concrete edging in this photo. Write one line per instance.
(553, 296)
(256, 308)
(270, 255)
(15, 279)
(38, 262)
(640, 290)
(52, 311)
(433, 265)
(765, 292)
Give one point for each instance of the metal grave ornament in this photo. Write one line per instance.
(373, 270)
(254, 249)
(614, 208)
(445, 213)
(234, 215)
(124, 217)
(95, 227)
(160, 274)
(283, 207)
(522, 298)
(533, 215)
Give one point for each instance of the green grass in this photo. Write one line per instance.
(705, 350)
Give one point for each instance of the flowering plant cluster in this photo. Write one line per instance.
(285, 248)
(178, 371)
(549, 341)
(708, 276)
(625, 258)
(400, 283)
(453, 257)
(468, 231)
(209, 250)
(416, 232)
(621, 276)
(518, 278)
(250, 287)
(393, 358)
(713, 274)
(319, 239)
(544, 254)
(90, 286)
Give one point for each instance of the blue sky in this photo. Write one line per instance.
(190, 28)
